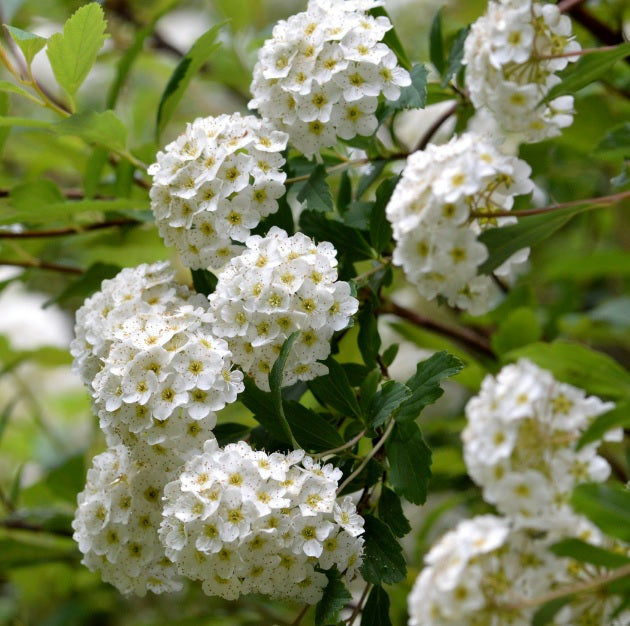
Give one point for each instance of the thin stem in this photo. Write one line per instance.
(430, 132)
(43, 265)
(380, 443)
(18, 524)
(348, 444)
(48, 101)
(601, 201)
(301, 615)
(589, 585)
(60, 232)
(377, 268)
(359, 607)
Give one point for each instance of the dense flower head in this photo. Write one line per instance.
(244, 521)
(520, 443)
(214, 183)
(117, 520)
(486, 570)
(321, 73)
(145, 349)
(277, 286)
(431, 212)
(512, 54)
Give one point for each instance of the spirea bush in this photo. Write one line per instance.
(269, 305)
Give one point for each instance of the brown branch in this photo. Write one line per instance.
(43, 265)
(567, 5)
(462, 335)
(428, 135)
(60, 232)
(595, 26)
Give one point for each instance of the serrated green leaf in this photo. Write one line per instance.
(73, 52)
(86, 284)
(410, 462)
(204, 281)
(588, 553)
(189, 65)
(503, 242)
(578, 365)
(376, 610)
(455, 56)
(607, 506)
(589, 68)
(334, 390)
(275, 384)
(550, 609)
(436, 43)
(391, 512)
(380, 228)
(230, 432)
(425, 384)
(335, 597)
(316, 192)
(310, 429)
(369, 339)
(383, 560)
(386, 401)
(619, 416)
(413, 96)
(519, 328)
(391, 39)
(29, 43)
(100, 128)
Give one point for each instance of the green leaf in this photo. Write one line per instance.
(436, 43)
(383, 560)
(390, 354)
(230, 432)
(5, 131)
(425, 384)
(86, 284)
(349, 241)
(8, 87)
(103, 129)
(550, 609)
(369, 339)
(275, 384)
(410, 462)
(310, 429)
(607, 506)
(616, 141)
(17, 552)
(368, 388)
(26, 122)
(189, 65)
(573, 363)
(30, 195)
(334, 390)
(204, 281)
(619, 416)
(413, 96)
(73, 53)
(588, 553)
(589, 68)
(316, 191)
(68, 479)
(455, 56)
(380, 228)
(390, 511)
(519, 328)
(257, 400)
(29, 43)
(386, 401)
(335, 597)
(503, 242)
(391, 39)
(376, 610)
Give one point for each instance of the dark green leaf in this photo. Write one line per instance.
(518, 329)
(617, 141)
(204, 281)
(335, 597)
(386, 401)
(391, 512)
(383, 560)
(425, 384)
(230, 432)
(410, 462)
(619, 416)
(310, 429)
(392, 41)
(368, 476)
(436, 43)
(316, 191)
(380, 228)
(29, 43)
(588, 553)
(275, 384)
(86, 284)
(334, 390)
(103, 129)
(68, 479)
(374, 170)
(368, 388)
(376, 610)
(255, 399)
(413, 96)
(15, 552)
(455, 56)
(73, 53)
(369, 340)
(589, 68)
(390, 354)
(189, 65)
(607, 506)
(344, 194)
(549, 610)
(579, 365)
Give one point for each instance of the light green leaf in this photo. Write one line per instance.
(383, 560)
(616, 141)
(103, 129)
(573, 363)
(410, 462)
(607, 506)
(29, 43)
(26, 122)
(316, 191)
(519, 328)
(189, 65)
(619, 416)
(31, 195)
(73, 52)
(589, 68)
(8, 87)
(376, 610)
(335, 597)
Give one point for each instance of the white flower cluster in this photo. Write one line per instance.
(432, 216)
(512, 54)
(243, 521)
(520, 443)
(485, 571)
(279, 285)
(145, 349)
(117, 521)
(320, 75)
(214, 183)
